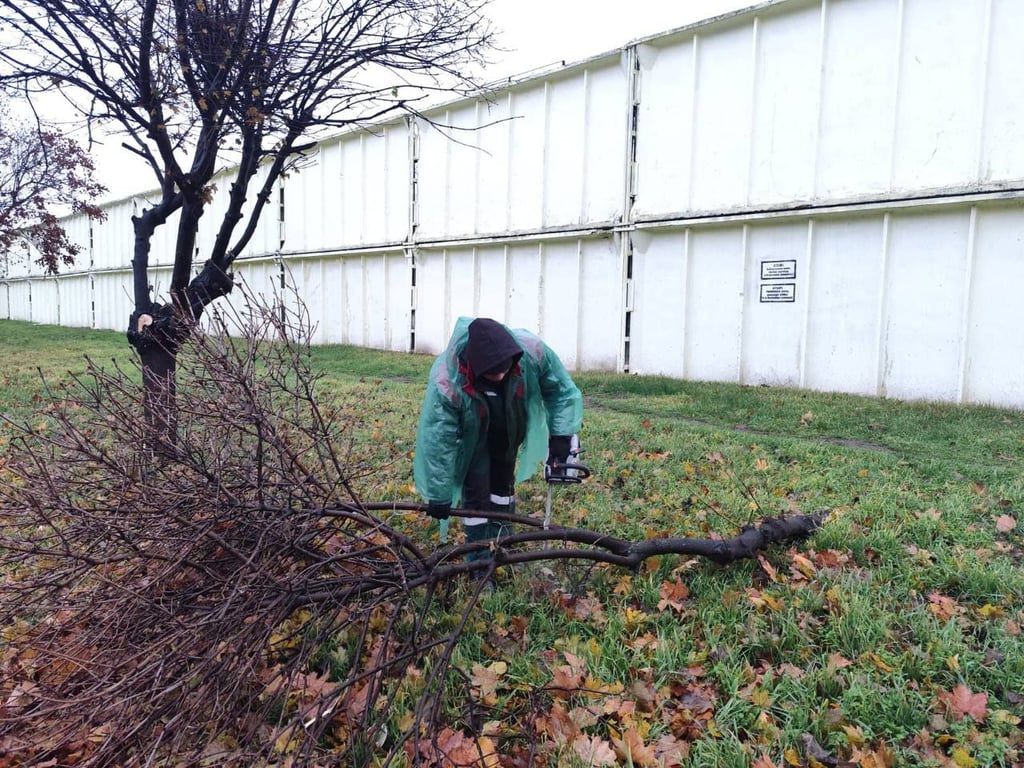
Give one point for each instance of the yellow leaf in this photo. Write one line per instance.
(792, 756)
(963, 758)
(880, 664)
(804, 565)
(634, 618)
(760, 697)
(854, 735)
(989, 611)
(1004, 717)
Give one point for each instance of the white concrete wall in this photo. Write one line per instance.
(811, 193)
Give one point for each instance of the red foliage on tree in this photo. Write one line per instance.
(43, 173)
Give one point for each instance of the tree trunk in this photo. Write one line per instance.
(156, 336)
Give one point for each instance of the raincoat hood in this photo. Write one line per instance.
(490, 347)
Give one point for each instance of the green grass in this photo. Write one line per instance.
(854, 636)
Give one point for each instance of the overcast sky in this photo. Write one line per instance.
(542, 32)
(533, 34)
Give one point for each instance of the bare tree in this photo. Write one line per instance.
(242, 605)
(192, 83)
(43, 174)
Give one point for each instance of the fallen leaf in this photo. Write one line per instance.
(815, 753)
(486, 680)
(942, 607)
(961, 703)
(962, 757)
(632, 749)
(1005, 523)
(803, 566)
(673, 595)
(768, 568)
(594, 751)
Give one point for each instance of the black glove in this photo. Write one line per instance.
(439, 510)
(558, 450)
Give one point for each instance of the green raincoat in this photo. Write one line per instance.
(451, 421)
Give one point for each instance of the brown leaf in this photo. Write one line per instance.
(645, 695)
(632, 749)
(558, 725)
(942, 607)
(768, 568)
(486, 679)
(673, 595)
(801, 566)
(1005, 523)
(961, 703)
(594, 750)
(837, 661)
(815, 753)
(462, 751)
(671, 752)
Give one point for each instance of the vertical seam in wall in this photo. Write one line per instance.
(477, 153)
(693, 120)
(819, 118)
(808, 295)
(744, 272)
(506, 264)
(477, 271)
(364, 236)
(509, 163)
(446, 212)
(343, 303)
(585, 132)
(894, 124)
(385, 259)
(542, 264)
(965, 320)
(412, 216)
(631, 56)
(986, 66)
(365, 284)
(881, 352)
(580, 305)
(752, 117)
(385, 139)
(447, 272)
(323, 296)
(685, 293)
(544, 153)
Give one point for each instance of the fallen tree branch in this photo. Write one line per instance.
(237, 603)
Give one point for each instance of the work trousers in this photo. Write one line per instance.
(489, 487)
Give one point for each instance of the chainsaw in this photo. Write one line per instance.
(563, 474)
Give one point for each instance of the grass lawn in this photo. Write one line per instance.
(892, 637)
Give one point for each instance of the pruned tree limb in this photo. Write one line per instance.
(235, 602)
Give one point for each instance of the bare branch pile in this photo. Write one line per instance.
(236, 603)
